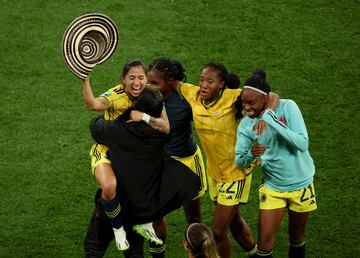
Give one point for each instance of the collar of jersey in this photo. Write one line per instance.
(212, 103)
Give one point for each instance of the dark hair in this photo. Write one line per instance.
(239, 108)
(232, 80)
(130, 64)
(150, 101)
(168, 68)
(201, 241)
(258, 80)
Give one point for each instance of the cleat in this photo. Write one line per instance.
(120, 239)
(148, 232)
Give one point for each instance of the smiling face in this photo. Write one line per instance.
(253, 102)
(134, 81)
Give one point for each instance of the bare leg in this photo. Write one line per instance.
(221, 222)
(297, 226)
(241, 232)
(160, 227)
(105, 176)
(192, 211)
(158, 251)
(297, 232)
(269, 221)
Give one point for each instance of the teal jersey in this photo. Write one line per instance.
(286, 163)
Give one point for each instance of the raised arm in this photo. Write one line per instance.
(273, 101)
(92, 103)
(294, 132)
(161, 124)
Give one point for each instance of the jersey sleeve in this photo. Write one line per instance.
(188, 92)
(294, 131)
(101, 130)
(243, 154)
(111, 94)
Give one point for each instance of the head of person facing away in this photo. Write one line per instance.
(150, 101)
(133, 77)
(164, 73)
(214, 77)
(254, 95)
(199, 242)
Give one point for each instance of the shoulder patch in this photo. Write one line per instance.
(106, 94)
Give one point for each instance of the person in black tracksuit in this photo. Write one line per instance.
(151, 184)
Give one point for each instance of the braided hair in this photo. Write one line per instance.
(231, 80)
(168, 69)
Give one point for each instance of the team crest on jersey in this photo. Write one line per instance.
(263, 197)
(283, 120)
(216, 113)
(106, 94)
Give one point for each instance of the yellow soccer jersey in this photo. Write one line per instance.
(118, 101)
(216, 127)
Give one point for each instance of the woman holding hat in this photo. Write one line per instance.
(288, 169)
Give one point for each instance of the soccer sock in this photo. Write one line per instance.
(261, 254)
(112, 210)
(252, 251)
(297, 250)
(157, 251)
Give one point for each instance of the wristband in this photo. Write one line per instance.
(146, 118)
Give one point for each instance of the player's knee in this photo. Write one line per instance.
(108, 189)
(219, 234)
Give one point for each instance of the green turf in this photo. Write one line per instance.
(310, 50)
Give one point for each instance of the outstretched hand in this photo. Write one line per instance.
(135, 116)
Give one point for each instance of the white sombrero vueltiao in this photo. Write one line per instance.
(89, 40)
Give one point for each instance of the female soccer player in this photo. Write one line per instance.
(288, 168)
(214, 120)
(199, 242)
(114, 102)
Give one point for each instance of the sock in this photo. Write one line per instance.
(297, 250)
(252, 251)
(157, 251)
(259, 254)
(112, 210)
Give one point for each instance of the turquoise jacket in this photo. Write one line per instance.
(286, 163)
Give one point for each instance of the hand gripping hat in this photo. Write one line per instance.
(89, 40)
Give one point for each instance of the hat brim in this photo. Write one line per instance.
(89, 40)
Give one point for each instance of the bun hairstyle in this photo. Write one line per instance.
(258, 80)
(168, 68)
(201, 241)
(232, 80)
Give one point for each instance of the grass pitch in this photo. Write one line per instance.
(310, 50)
